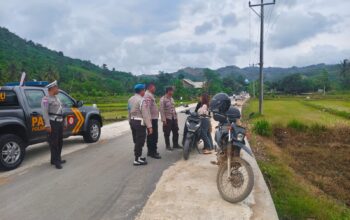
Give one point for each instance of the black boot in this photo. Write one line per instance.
(177, 146)
(62, 162)
(155, 156)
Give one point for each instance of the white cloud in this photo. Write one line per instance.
(204, 28)
(145, 36)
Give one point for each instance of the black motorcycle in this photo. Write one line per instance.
(235, 177)
(192, 133)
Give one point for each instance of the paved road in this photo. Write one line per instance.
(98, 182)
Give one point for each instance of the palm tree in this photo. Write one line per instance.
(51, 74)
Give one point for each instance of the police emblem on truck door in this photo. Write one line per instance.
(38, 123)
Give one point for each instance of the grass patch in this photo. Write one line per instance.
(341, 105)
(295, 199)
(317, 128)
(304, 159)
(331, 110)
(285, 110)
(297, 125)
(263, 128)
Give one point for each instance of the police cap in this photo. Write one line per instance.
(51, 85)
(139, 87)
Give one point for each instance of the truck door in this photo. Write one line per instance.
(70, 116)
(35, 121)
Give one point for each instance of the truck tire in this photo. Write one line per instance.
(93, 131)
(12, 151)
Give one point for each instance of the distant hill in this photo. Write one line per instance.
(87, 79)
(252, 73)
(41, 63)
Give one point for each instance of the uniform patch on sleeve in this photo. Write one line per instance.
(45, 102)
(148, 102)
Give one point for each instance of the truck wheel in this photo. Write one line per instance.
(12, 151)
(93, 131)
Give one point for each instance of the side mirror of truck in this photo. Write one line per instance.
(79, 104)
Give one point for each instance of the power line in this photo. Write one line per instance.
(273, 22)
(269, 18)
(261, 63)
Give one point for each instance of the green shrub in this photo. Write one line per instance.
(263, 128)
(297, 125)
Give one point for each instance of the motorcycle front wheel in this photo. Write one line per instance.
(238, 186)
(187, 148)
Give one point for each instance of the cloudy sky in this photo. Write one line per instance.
(147, 36)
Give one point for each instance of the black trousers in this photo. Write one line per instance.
(152, 140)
(55, 139)
(171, 126)
(138, 135)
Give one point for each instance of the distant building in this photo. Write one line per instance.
(190, 84)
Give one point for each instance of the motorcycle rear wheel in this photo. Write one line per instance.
(187, 148)
(228, 187)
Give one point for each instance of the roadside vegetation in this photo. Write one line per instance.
(303, 152)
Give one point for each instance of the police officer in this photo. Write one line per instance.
(140, 121)
(169, 118)
(53, 117)
(152, 107)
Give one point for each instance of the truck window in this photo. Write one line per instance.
(8, 99)
(66, 101)
(34, 97)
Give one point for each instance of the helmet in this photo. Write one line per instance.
(233, 114)
(220, 103)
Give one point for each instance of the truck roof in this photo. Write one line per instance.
(14, 87)
(29, 83)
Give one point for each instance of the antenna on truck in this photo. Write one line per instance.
(21, 83)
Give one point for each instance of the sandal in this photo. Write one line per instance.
(205, 151)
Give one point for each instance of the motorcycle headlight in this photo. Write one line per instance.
(240, 137)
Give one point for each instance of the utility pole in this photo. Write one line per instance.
(261, 63)
(253, 89)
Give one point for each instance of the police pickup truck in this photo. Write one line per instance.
(22, 124)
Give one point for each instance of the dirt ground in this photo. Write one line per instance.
(323, 158)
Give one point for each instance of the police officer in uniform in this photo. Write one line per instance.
(169, 118)
(140, 122)
(152, 107)
(53, 117)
